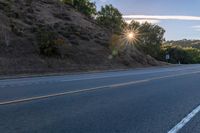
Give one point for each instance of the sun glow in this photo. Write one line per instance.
(130, 36)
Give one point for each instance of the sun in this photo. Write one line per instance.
(130, 36)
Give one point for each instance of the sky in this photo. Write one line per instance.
(180, 18)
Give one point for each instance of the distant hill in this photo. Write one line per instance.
(84, 45)
(185, 43)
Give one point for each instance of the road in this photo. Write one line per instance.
(149, 100)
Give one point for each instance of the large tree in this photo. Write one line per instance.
(151, 37)
(110, 17)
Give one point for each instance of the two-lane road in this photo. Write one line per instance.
(150, 100)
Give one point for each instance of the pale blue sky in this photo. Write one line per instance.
(180, 18)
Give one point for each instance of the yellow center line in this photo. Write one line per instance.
(92, 89)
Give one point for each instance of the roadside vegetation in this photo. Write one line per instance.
(180, 53)
(146, 37)
(149, 37)
(84, 6)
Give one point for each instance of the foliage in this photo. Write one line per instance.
(151, 37)
(110, 17)
(185, 43)
(178, 54)
(49, 43)
(114, 45)
(84, 6)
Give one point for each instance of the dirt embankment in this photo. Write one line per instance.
(86, 45)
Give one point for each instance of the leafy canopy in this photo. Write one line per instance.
(151, 37)
(84, 6)
(110, 17)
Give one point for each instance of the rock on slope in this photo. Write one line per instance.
(85, 43)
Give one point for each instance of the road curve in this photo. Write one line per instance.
(150, 100)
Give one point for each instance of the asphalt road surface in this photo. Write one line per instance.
(150, 100)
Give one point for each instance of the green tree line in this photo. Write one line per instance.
(178, 54)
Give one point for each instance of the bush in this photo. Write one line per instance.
(47, 43)
(50, 44)
(84, 6)
(180, 54)
(115, 46)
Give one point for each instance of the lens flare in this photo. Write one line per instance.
(130, 36)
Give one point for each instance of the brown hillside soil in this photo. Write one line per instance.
(85, 45)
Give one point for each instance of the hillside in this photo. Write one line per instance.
(83, 44)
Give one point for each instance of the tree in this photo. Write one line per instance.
(110, 17)
(134, 25)
(84, 6)
(184, 55)
(151, 38)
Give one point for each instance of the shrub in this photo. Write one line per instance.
(47, 43)
(50, 43)
(84, 6)
(179, 54)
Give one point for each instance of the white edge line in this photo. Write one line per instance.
(91, 89)
(185, 120)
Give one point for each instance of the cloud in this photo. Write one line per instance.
(196, 27)
(156, 17)
(153, 21)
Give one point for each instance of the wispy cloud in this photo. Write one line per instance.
(159, 17)
(153, 21)
(196, 27)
